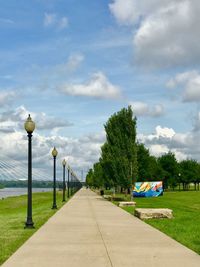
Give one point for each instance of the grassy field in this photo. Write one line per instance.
(185, 227)
(13, 215)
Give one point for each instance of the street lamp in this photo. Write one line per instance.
(72, 185)
(179, 175)
(64, 164)
(54, 154)
(29, 126)
(68, 170)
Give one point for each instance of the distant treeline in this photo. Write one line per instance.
(36, 184)
(1, 186)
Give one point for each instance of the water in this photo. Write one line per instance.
(9, 192)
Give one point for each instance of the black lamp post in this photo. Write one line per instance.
(64, 185)
(179, 180)
(68, 170)
(54, 154)
(71, 182)
(29, 126)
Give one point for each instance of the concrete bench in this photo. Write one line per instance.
(153, 213)
(108, 197)
(127, 203)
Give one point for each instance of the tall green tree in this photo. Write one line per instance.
(189, 172)
(148, 167)
(90, 178)
(98, 175)
(106, 164)
(119, 153)
(170, 169)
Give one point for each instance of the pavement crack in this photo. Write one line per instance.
(94, 217)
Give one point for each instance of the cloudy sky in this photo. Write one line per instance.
(71, 64)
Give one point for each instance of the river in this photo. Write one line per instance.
(8, 192)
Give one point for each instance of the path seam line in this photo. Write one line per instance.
(93, 215)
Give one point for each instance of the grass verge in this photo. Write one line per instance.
(185, 226)
(13, 216)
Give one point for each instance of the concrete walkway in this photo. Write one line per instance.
(91, 232)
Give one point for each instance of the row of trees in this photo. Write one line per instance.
(123, 161)
(167, 169)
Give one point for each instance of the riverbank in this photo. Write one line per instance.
(10, 192)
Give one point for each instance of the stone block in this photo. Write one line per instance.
(153, 213)
(126, 203)
(108, 197)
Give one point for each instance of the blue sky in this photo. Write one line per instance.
(72, 64)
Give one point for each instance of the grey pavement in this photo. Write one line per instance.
(91, 232)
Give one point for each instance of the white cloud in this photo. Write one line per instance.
(140, 108)
(182, 78)
(192, 90)
(124, 10)
(6, 97)
(50, 76)
(189, 83)
(49, 19)
(168, 34)
(13, 120)
(53, 20)
(98, 87)
(63, 23)
(163, 140)
(129, 12)
(45, 122)
(74, 61)
(164, 132)
(144, 109)
(162, 39)
(158, 150)
(157, 110)
(197, 122)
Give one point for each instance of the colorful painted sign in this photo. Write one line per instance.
(148, 189)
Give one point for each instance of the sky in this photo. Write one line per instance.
(71, 64)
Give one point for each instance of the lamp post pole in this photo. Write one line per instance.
(54, 154)
(131, 192)
(73, 183)
(72, 187)
(179, 184)
(29, 127)
(64, 164)
(68, 182)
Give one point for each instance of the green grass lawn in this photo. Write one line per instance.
(13, 215)
(185, 226)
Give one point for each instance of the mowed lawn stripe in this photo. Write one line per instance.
(185, 226)
(13, 216)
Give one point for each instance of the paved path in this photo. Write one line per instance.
(91, 232)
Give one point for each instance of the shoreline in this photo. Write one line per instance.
(19, 191)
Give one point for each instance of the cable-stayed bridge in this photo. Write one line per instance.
(16, 170)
